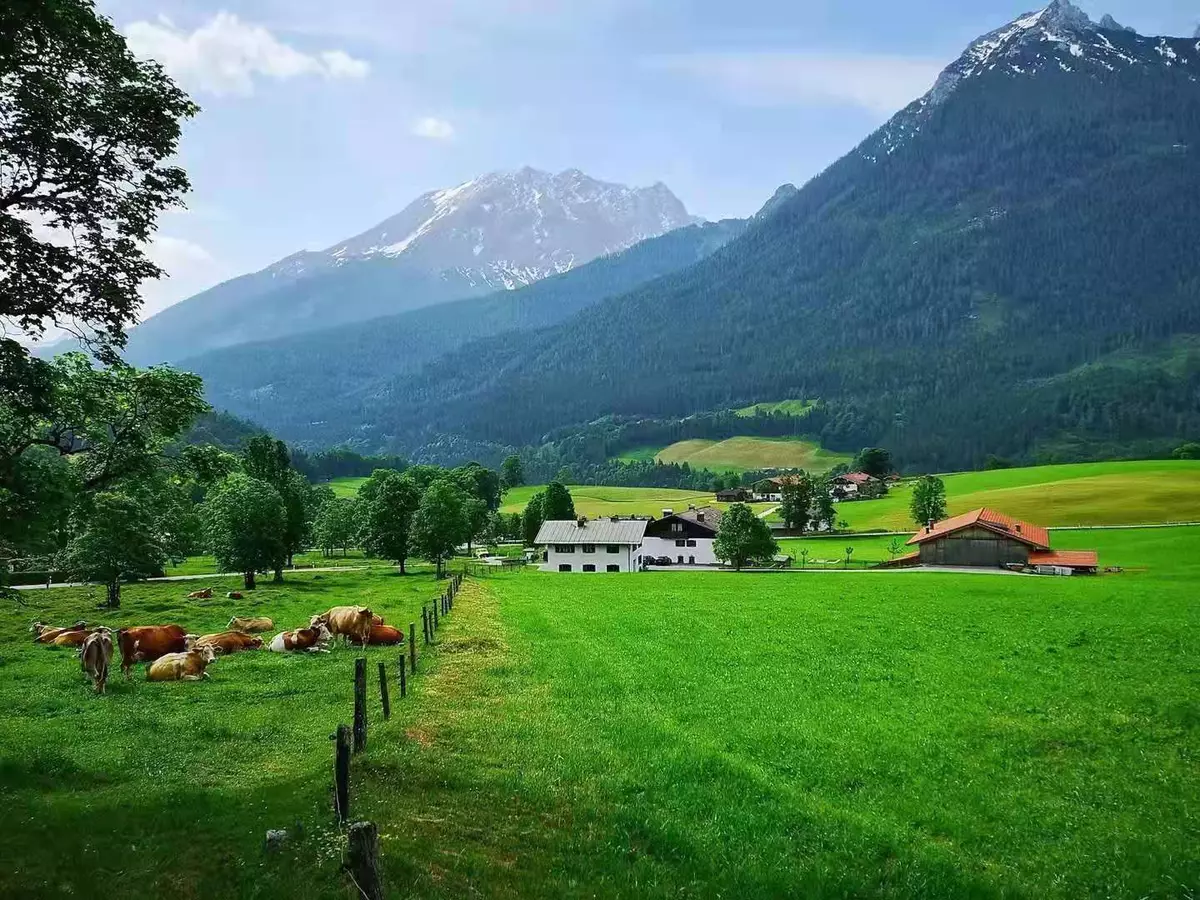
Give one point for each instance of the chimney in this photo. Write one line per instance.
(700, 517)
(581, 521)
(616, 519)
(692, 506)
(1018, 527)
(668, 512)
(929, 526)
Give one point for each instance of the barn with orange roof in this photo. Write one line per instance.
(987, 538)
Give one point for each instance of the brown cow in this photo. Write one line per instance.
(73, 638)
(227, 642)
(186, 666)
(250, 624)
(311, 639)
(205, 594)
(45, 634)
(347, 622)
(234, 595)
(95, 655)
(149, 642)
(382, 635)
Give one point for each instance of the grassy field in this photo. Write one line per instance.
(346, 487)
(595, 502)
(659, 735)
(738, 454)
(1109, 493)
(206, 565)
(786, 407)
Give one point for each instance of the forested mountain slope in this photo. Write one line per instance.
(1008, 266)
(311, 387)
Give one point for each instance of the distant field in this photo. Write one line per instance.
(346, 487)
(1110, 493)
(787, 407)
(738, 454)
(595, 501)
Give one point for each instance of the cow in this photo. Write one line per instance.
(250, 624)
(148, 642)
(234, 595)
(347, 622)
(382, 635)
(205, 594)
(227, 642)
(71, 638)
(311, 639)
(45, 634)
(186, 666)
(95, 655)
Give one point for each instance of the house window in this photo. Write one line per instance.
(589, 548)
(691, 543)
(564, 548)
(564, 567)
(614, 548)
(612, 568)
(681, 560)
(677, 526)
(589, 568)
(681, 543)
(691, 560)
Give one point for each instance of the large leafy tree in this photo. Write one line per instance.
(928, 500)
(824, 511)
(336, 525)
(796, 505)
(512, 473)
(442, 522)
(117, 538)
(743, 537)
(87, 135)
(269, 460)
(874, 461)
(557, 505)
(388, 501)
(244, 523)
(533, 517)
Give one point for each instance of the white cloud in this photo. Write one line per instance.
(225, 55)
(880, 85)
(433, 128)
(189, 267)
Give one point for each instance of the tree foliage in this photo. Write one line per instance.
(557, 504)
(743, 538)
(795, 507)
(245, 523)
(512, 473)
(441, 522)
(337, 525)
(875, 461)
(388, 502)
(117, 537)
(928, 500)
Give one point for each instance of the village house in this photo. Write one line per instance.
(858, 486)
(733, 495)
(685, 538)
(986, 538)
(599, 545)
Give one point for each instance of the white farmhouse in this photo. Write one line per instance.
(685, 538)
(602, 545)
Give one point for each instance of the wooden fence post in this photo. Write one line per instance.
(341, 774)
(383, 692)
(362, 861)
(412, 645)
(360, 704)
(403, 677)
(436, 623)
(425, 623)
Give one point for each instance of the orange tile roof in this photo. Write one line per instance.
(1076, 559)
(1025, 532)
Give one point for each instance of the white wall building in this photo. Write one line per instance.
(602, 545)
(685, 538)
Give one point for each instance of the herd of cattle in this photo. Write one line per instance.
(175, 655)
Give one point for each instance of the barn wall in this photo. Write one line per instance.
(973, 547)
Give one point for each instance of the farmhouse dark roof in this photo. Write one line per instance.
(1033, 535)
(708, 516)
(595, 531)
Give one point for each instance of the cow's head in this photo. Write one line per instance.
(323, 634)
(365, 614)
(189, 640)
(36, 627)
(255, 643)
(207, 653)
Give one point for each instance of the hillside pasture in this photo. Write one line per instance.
(1147, 492)
(779, 407)
(347, 487)
(739, 454)
(596, 501)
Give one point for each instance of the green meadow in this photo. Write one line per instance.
(598, 501)
(861, 734)
(738, 454)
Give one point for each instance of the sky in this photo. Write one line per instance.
(319, 119)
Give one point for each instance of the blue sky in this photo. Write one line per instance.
(322, 117)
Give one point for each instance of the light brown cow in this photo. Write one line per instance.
(205, 594)
(149, 642)
(95, 655)
(45, 634)
(186, 666)
(73, 638)
(227, 642)
(347, 622)
(382, 635)
(250, 624)
(312, 639)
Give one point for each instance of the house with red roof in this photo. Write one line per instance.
(987, 538)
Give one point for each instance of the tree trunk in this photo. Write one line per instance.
(248, 579)
(291, 557)
(278, 579)
(402, 572)
(114, 594)
(439, 568)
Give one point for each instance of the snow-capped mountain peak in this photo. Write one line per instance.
(1059, 38)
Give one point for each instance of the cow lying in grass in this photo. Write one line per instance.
(347, 622)
(205, 594)
(46, 634)
(187, 666)
(313, 639)
(146, 643)
(382, 635)
(227, 642)
(95, 655)
(250, 624)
